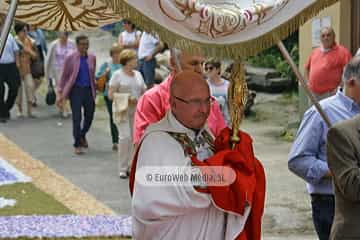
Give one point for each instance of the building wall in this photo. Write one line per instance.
(355, 25)
(340, 14)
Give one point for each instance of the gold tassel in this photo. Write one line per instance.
(237, 96)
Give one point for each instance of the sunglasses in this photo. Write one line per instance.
(209, 68)
(326, 35)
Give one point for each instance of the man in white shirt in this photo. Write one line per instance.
(149, 46)
(9, 75)
(178, 211)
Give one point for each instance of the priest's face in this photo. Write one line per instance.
(191, 101)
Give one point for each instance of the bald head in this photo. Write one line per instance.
(190, 99)
(327, 37)
(327, 29)
(185, 81)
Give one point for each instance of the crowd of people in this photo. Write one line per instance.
(191, 102)
(21, 70)
(129, 75)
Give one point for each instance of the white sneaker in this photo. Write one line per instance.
(64, 114)
(123, 175)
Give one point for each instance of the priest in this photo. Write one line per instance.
(202, 211)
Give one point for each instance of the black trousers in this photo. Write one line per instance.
(81, 98)
(9, 75)
(113, 129)
(323, 208)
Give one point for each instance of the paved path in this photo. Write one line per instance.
(48, 138)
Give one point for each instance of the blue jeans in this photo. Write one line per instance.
(323, 207)
(81, 97)
(147, 69)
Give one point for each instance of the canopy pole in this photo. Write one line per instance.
(7, 25)
(302, 81)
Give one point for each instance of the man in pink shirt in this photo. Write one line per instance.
(325, 65)
(153, 105)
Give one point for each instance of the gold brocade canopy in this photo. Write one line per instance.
(64, 15)
(222, 28)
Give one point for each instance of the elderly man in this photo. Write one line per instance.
(152, 106)
(78, 84)
(182, 211)
(343, 149)
(324, 67)
(307, 157)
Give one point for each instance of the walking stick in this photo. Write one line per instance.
(6, 28)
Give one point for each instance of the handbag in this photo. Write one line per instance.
(37, 68)
(101, 81)
(50, 95)
(120, 107)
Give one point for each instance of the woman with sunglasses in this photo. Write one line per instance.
(218, 86)
(130, 37)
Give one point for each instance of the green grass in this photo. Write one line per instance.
(289, 97)
(287, 136)
(30, 200)
(258, 116)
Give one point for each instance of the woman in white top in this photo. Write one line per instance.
(125, 88)
(130, 37)
(218, 86)
(55, 60)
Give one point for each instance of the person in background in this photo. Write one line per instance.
(77, 83)
(307, 158)
(54, 63)
(109, 68)
(343, 157)
(149, 46)
(324, 67)
(38, 35)
(218, 86)
(27, 52)
(130, 82)
(40, 42)
(343, 148)
(130, 37)
(9, 75)
(154, 103)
